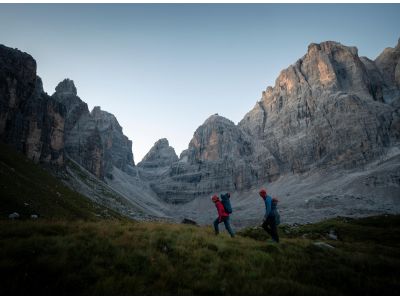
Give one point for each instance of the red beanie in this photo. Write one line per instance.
(263, 193)
(215, 198)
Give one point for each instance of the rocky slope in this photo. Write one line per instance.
(30, 120)
(93, 139)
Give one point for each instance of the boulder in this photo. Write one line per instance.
(14, 216)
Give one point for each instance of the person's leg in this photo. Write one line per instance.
(274, 229)
(228, 226)
(265, 226)
(216, 222)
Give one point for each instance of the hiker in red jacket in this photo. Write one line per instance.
(223, 216)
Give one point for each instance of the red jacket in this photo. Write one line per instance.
(221, 211)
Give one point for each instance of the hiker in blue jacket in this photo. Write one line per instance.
(271, 218)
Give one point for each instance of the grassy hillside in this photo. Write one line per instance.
(27, 188)
(127, 258)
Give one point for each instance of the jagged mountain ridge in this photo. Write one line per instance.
(330, 108)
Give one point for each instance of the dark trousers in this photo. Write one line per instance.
(227, 226)
(269, 226)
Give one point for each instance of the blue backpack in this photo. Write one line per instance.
(226, 202)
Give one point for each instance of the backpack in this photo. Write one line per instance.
(226, 202)
(274, 205)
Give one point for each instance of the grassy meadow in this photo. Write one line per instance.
(111, 257)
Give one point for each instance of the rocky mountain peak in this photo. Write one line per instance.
(105, 120)
(66, 86)
(96, 111)
(160, 155)
(329, 47)
(161, 143)
(217, 119)
(217, 138)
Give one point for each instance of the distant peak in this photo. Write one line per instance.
(216, 118)
(66, 86)
(96, 109)
(162, 143)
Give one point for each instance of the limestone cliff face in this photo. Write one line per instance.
(329, 108)
(29, 119)
(93, 139)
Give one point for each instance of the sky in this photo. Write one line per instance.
(163, 69)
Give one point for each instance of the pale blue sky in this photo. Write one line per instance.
(163, 69)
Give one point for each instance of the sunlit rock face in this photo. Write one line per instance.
(29, 119)
(93, 139)
(328, 108)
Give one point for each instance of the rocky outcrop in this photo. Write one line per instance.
(160, 155)
(29, 119)
(93, 139)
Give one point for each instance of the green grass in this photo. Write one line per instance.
(46, 257)
(27, 188)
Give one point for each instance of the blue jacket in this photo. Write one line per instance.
(270, 207)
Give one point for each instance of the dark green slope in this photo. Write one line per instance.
(27, 188)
